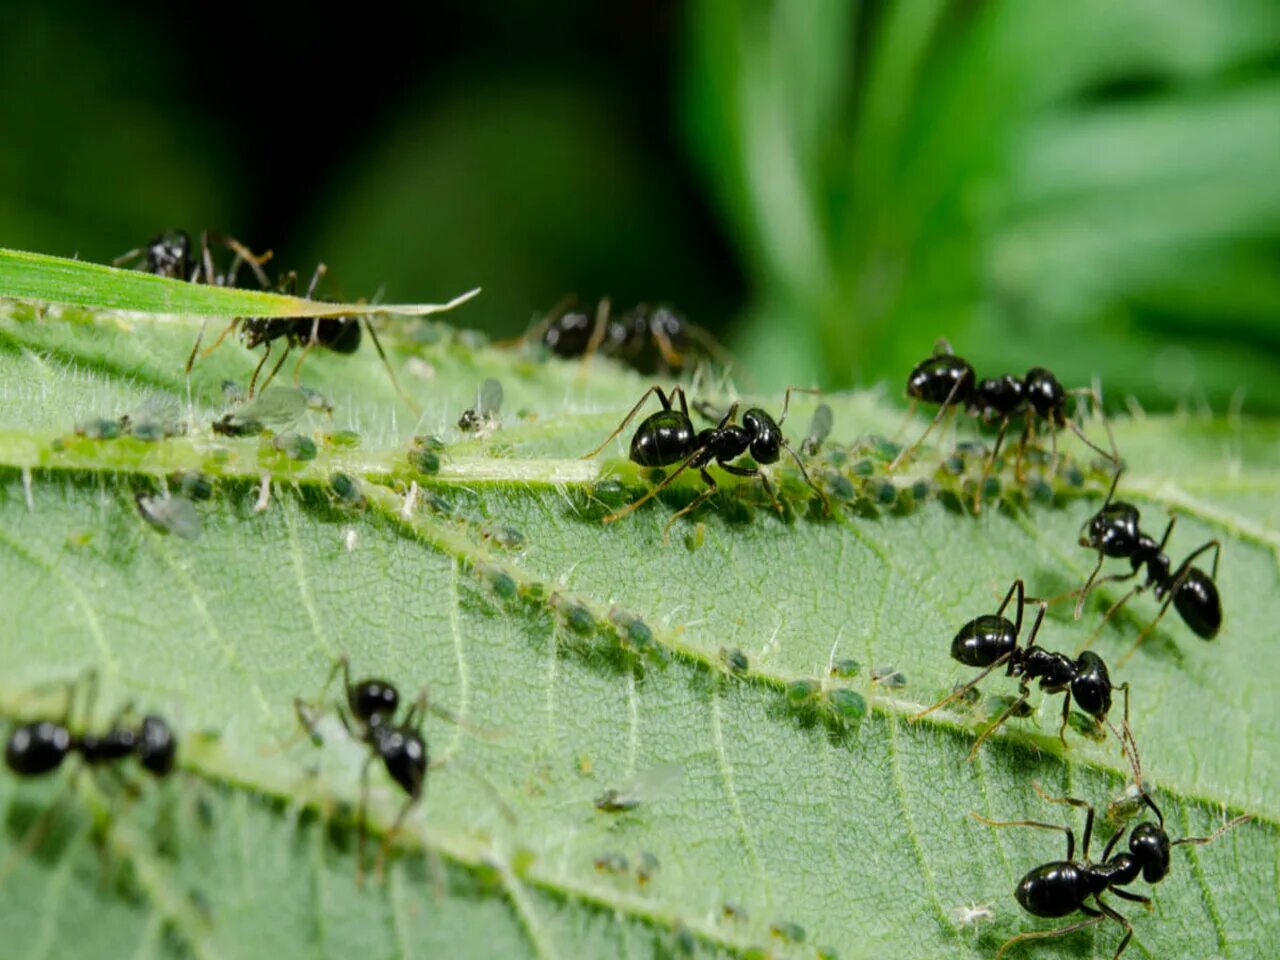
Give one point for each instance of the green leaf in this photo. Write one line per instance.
(716, 684)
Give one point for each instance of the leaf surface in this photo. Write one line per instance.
(580, 658)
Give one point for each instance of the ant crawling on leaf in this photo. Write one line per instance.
(646, 338)
(372, 705)
(338, 334)
(668, 438)
(992, 641)
(948, 381)
(1062, 887)
(40, 747)
(169, 254)
(1113, 531)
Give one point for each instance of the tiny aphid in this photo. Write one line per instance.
(888, 677)
(819, 429)
(642, 788)
(973, 914)
(170, 514)
(276, 409)
(484, 418)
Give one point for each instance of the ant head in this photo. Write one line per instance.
(373, 702)
(1113, 530)
(665, 322)
(405, 754)
(663, 438)
(1091, 686)
(36, 748)
(156, 746)
(1149, 845)
(766, 437)
(169, 255)
(568, 336)
(940, 378)
(984, 640)
(1045, 394)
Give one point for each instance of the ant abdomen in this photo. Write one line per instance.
(37, 748)
(1091, 686)
(1198, 603)
(984, 640)
(662, 439)
(942, 378)
(1054, 890)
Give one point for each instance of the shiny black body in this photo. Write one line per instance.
(992, 640)
(1114, 531)
(668, 437)
(169, 255)
(41, 747)
(1063, 887)
(369, 716)
(648, 339)
(949, 382)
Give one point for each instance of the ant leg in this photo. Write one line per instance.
(1111, 844)
(698, 501)
(670, 356)
(822, 495)
(316, 276)
(242, 255)
(539, 329)
(1024, 693)
(395, 383)
(597, 333)
(360, 816)
(195, 349)
(1019, 588)
(961, 691)
(297, 367)
(786, 399)
(1018, 472)
(943, 410)
(1118, 918)
(308, 712)
(1126, 895)
(274, 370)
(1066, 716)
(385, 847)
(942, 346)
(1199, 841)
(1092, 394)
(1095, 918)
(1071, 837)
(1097, 631)
(1079, 805)
(38, 831)
(124, 258)
(662, 399)
(665, 482)
(990, 463)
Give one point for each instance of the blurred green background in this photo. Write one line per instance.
(827, 185)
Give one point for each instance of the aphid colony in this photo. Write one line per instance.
(369, 710)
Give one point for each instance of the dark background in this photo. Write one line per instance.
(828, 186)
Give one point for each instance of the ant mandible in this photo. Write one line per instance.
(668, 437)
(1113, 531)
(991, 641)
(400, 746)
(1061, 887)
(949, 381)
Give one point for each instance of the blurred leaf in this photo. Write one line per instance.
(1017, 177)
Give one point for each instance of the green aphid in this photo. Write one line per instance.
(847, 704)
(167, 514)
(342, 438)
(735, 660)
(846, 668)
(578, 618)
(347, 489)
(614, 863)
(632, 629)
(802, 692)
(788, 930)
(508, 538)
(98, 429)
(295, 446)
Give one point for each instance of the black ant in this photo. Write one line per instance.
(646, 338)
(668, 437)
(1113, 531)
(1061, 887)
(169, 254)
(991, 641)
(339, 334)
(40, 747)
(400, 746)
(949, 381)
